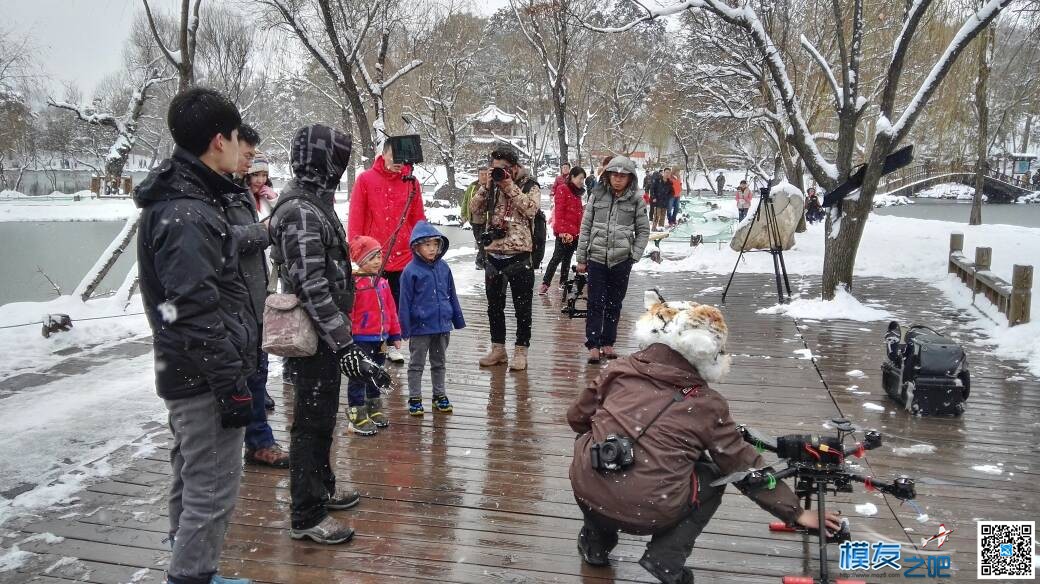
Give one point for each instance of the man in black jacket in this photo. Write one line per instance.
(310, 253)
(204, 341)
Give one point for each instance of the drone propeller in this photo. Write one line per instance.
(757, 438)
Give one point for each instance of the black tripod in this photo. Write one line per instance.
(767, 211)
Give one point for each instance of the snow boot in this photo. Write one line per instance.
(375, 412)
(497, 356)
(519, 362)
(360, 423)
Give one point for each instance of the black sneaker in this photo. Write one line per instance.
(268, 402)
(344, 499)
(329, 532)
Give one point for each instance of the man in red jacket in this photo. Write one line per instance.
(377, 204)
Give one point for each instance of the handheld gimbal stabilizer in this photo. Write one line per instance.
(819, 466)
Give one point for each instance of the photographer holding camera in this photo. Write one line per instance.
(654, 436)
(508, 204)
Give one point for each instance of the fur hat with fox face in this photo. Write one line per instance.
(698, 332)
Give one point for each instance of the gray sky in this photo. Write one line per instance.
(82, 40)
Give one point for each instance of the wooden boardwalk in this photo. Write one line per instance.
(482, 495)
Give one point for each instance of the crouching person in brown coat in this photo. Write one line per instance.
(683, 438)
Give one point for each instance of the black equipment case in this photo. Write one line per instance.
(925, 372)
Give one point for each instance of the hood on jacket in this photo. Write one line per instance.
(182, 176)
(422, 230)
(320, 155)
(697, 332)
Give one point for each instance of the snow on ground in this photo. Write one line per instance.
(844, 306)
(62, 207)
(1031, 198)
(948, 191)
(25, 349)
(891, 200)
(913, 450)
(897, 247)
(57, 437)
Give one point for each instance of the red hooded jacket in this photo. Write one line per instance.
(376, 204)
(568, 209)
(374, 317)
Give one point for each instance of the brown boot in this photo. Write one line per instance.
(519, 358)
(272, 456)
(497, 356)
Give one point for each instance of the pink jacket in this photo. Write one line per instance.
(744, 198)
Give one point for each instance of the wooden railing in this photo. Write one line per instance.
(1012, 300)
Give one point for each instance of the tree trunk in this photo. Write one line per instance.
(561, 121)
(96, 275)
(449, 165)
(982, 140)
(1026, 131)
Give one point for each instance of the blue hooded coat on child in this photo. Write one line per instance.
(429, 305)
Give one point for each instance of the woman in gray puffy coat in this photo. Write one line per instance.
(614, 232)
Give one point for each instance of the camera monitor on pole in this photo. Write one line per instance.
(407, 149)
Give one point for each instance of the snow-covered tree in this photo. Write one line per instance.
(891, 117)
(124, 125)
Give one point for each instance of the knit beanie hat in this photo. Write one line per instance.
(362, 248)
(697, 331)
(259, 164)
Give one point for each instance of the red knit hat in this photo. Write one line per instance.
(362, 248)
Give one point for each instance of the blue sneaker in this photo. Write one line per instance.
(415, 406)
(441, 404)
(222, 580)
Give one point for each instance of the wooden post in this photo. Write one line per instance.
(956, 246)
(95, 185)
(1021, 295)
(983, 258)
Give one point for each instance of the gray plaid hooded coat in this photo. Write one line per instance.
(309, 243)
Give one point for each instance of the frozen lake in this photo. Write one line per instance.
(65, 250)
(958, 211)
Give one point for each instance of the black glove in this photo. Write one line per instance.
(236, 406)
(350, 360)
(356, 364)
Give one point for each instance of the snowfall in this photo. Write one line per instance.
(58, 436)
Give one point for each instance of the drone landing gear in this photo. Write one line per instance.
(822, 536)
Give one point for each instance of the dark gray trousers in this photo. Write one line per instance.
(207, 469)
(419, 346)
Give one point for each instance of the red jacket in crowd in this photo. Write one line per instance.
(568, 209)
(376, 204)
(374, 317)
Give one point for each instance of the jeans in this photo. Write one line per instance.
(358, 390)
(741, 213)
(606, 289)
(562, 254)
(516, 271)
(311, 480)
(478, 230)
(258, 432)
(673, 211)
(419, 346)
(207, 468)
(668, 549)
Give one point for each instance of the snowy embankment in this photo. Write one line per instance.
(63, 207)
(897, 247)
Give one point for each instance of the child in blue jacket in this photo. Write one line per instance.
(428, 310)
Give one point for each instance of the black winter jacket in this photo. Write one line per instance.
(309, 242)
(251, 239)
(204, 336)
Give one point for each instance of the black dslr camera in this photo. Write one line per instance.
(614, 453)
(491, 234)
(498, 174)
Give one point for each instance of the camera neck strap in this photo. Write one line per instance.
(679, 396)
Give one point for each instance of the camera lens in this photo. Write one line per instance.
(608, 451)
(498, 174)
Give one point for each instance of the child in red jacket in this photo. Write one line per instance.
(373, 324)
(567, 197)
